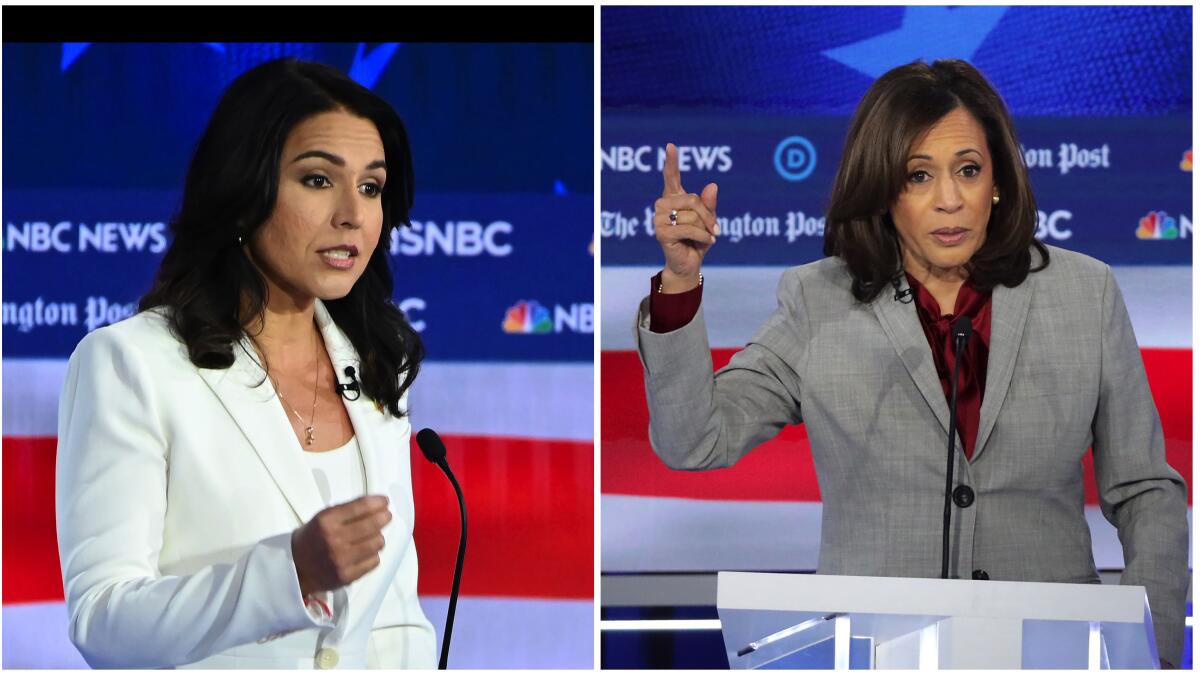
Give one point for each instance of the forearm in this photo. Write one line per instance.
(699, 420)
(174, 620)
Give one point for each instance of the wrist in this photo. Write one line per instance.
(301, 581)
(670, 283)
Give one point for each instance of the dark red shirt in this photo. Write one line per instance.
(673, 311)
(972, 373)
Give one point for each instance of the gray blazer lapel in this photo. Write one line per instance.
(1010, 309)
(364, 415)
(903, 328)
(248, 396)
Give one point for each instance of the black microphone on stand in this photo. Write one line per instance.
(962, 332)
(435, 451)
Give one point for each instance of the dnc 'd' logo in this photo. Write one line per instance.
(795, 158)
(1157, 225)
(527, 316)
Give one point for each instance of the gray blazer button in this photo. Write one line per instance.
(327, 658)
(963, 496)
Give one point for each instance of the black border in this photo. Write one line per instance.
(297, 23)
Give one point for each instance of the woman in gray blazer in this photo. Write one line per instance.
(931, 220)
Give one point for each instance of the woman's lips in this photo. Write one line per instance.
(340, 257)
(950, 236)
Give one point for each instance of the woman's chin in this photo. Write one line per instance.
(334, 294)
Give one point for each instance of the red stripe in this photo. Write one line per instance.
(529, 501)
(30, 560)
(782, 469)
(529, 509)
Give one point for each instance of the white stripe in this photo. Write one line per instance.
(513, 633)
(487, 399)
(488, 633)
(662, 624)
(737, 300)
(527, 400)
(663, 534)
(30, 389)
(666, 534)
(35, 636)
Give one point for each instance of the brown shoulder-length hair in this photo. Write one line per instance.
(898, 108)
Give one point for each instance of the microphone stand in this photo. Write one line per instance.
(435, 451)
(962, 331)
(458, 563)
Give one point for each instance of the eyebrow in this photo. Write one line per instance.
(334, 159)
(960, 153)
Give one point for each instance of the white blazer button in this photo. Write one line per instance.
(327, 658)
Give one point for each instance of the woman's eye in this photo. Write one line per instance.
(371, 189)
(315, 180)
(971, 170)
(917, 177)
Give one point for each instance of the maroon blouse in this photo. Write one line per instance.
(972, 373)
(673, 311)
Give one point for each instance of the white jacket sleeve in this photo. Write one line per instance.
(111, 501)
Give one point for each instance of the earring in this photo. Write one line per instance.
(240, 240)
(995, 199)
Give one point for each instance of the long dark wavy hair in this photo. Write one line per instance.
(206, 280)
(900, 106)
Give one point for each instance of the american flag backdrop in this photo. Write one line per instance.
(495, 272)
(758, 99)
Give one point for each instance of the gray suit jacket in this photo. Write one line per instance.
(1064, 373)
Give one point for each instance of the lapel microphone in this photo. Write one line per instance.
(353, 386)
(962, 332)
(435, 451)
(905, 296)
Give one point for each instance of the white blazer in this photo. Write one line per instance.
(177, 491)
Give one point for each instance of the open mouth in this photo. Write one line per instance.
(341, 257)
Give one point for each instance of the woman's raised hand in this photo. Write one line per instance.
(340, 544)
(688, 238)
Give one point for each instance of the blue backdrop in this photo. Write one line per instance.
(97, 142)
(1102, 110)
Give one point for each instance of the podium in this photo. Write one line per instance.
(842, 622)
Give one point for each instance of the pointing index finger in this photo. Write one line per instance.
(671, 183)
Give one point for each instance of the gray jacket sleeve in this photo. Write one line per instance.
(1140, 493)
(699, 420)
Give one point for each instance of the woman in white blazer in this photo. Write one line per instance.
(221, 500)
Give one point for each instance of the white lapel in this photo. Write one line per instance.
(365, 416)
(248, 396)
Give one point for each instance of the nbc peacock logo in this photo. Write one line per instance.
(1157, 225)
(527, 316)
(1185, 164)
